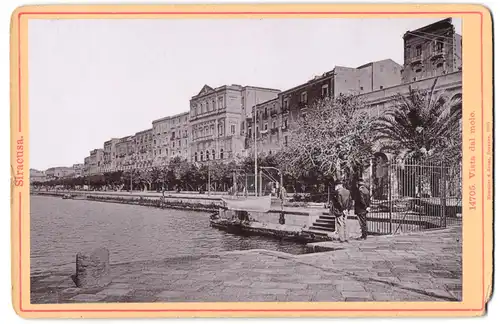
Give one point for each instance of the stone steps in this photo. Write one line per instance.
(322, 228)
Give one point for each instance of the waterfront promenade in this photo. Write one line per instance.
(422, 266)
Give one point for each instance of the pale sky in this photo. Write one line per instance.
(90, 80)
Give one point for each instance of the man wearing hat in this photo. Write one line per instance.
(361, 206)
(340, 206)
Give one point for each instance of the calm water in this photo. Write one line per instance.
(61, 228)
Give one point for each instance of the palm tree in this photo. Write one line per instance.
(422, 124)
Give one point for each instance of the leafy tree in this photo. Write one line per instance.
(332, 140)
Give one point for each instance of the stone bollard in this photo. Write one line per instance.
(92, 268)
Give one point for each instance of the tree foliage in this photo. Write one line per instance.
(422, 124)
(332, 140)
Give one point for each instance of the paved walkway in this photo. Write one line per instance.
(424, 266)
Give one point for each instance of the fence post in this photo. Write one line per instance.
(389, 180)
(443, 196)
(260, 183)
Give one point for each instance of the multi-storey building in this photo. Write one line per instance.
(125, 148)
(96, 161)
(178, 140)
(432, 50)
(78, 169)
(160, 136)
(86, 166)
(59, 172)
(217, 119)
(275, 116)
(109, 158)
(37, 176)
(143, 148)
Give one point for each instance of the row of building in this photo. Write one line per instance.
(220, 124)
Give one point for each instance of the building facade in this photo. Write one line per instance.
(217, 119)
(143, 142)
(274, 117)
(78, 169)
(431, 51)
(109, 158)
(179, 143)
(125, 149)
(96, 161)
(59, 172)
(37, 176)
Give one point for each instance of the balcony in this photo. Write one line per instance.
(437, 53)
(416, 59)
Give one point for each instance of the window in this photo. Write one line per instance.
(285, 104)
(286, 123)
(439, 46)
(274, 124)
(257, 130)
(213, 154)
(195, 156)
(179, 143)
(220, 129)
(220, 102)
(381, 87)
(419, 50)
(439, 65)
(154, 142)
(212, 129)
(159, 151)
(154, 152)
(201, 156)
(286, 140)
(418, 70)
(213, 104)
(324, 91)
(208, 155)
(222, 153)
(303, 97)
(265, 126)
(361, 88)
(233, 129)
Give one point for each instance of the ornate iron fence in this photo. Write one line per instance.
(414, 195)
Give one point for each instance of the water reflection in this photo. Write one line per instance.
(61, 228)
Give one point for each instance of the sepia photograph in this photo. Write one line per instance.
(245, 160)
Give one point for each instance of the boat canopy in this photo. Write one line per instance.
(255, 204)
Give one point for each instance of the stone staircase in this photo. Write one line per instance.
(323, 226)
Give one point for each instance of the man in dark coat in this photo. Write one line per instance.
(361, 206)
(340, 206)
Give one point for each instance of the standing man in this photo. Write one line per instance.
(340, 206)
(361, 206)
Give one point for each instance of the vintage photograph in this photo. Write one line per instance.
(245, 160)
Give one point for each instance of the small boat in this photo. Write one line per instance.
(67, 196)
